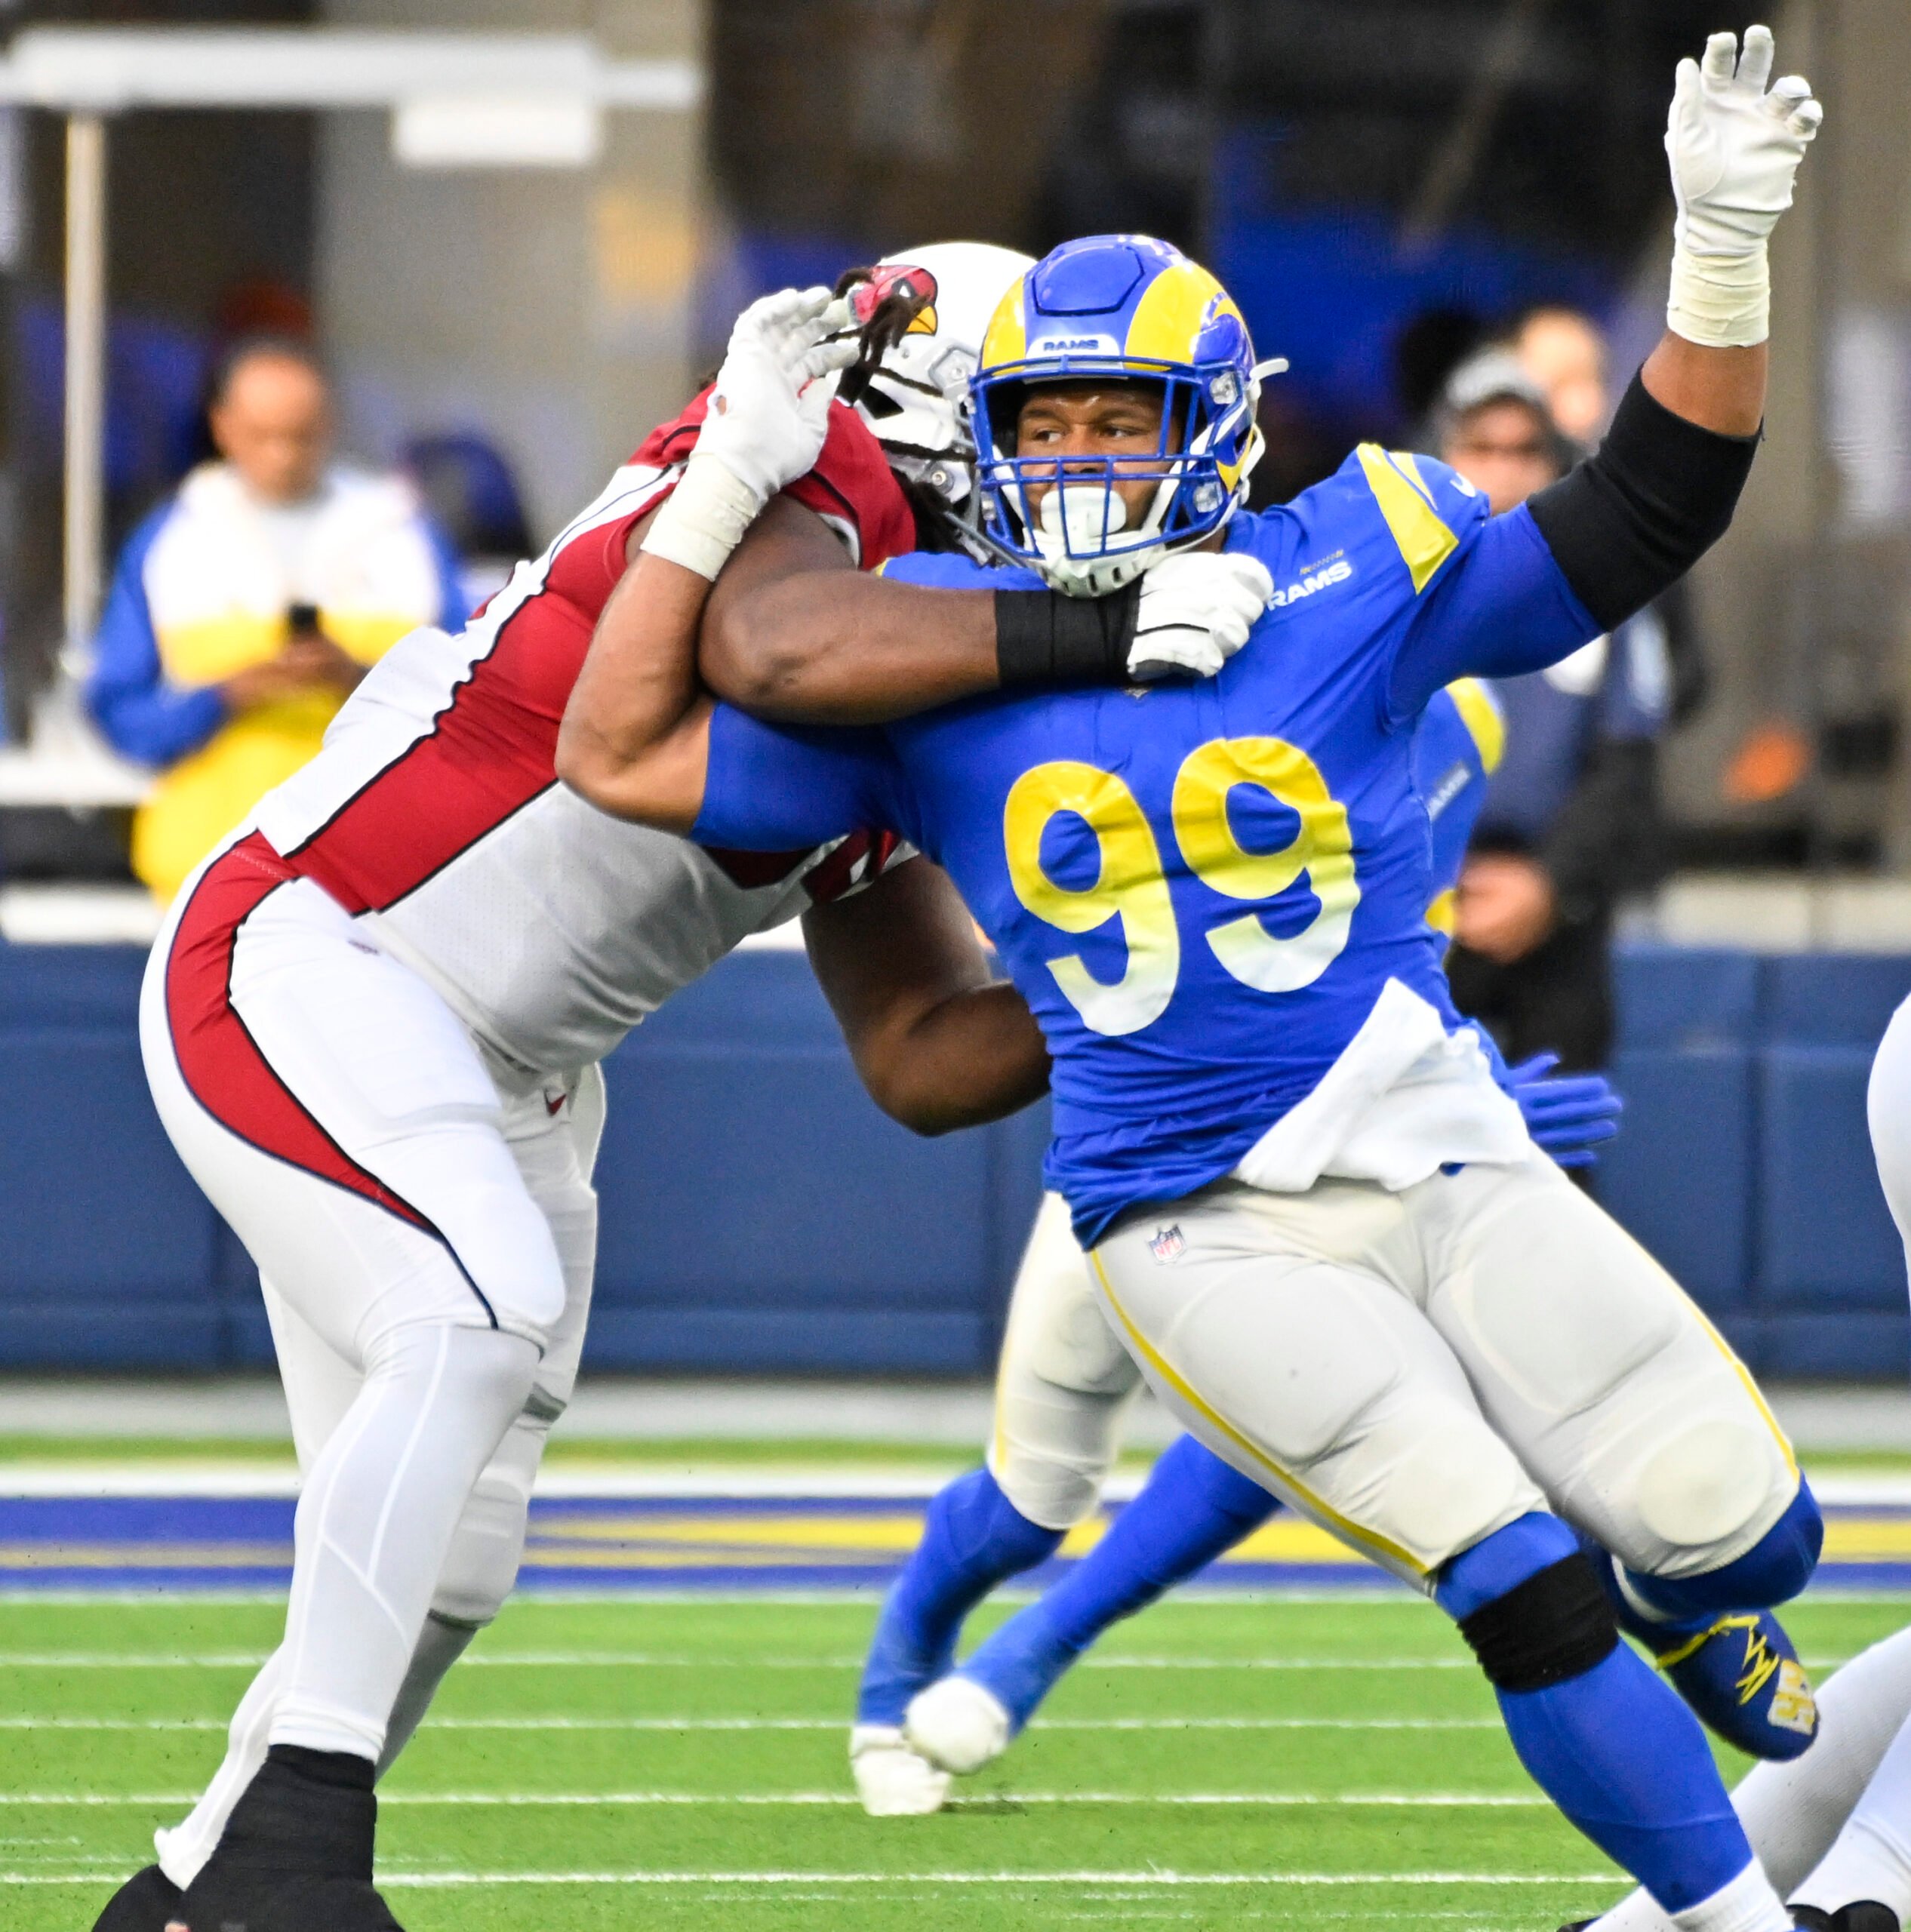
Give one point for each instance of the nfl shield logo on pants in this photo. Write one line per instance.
(1168, 1244)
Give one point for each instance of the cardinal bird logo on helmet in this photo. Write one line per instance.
(888, 302)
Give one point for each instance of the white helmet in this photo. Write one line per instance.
(914, 393)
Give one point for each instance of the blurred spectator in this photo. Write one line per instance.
(1564, 351)
(1571, 821)
(247, 606)
(1433, 344)
(472, 497)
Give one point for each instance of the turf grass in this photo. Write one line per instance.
(598, 1764)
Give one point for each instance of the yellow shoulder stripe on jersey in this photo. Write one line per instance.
(1440, 913)
(1425, 542)
(1369, 1540)
(1479, 711)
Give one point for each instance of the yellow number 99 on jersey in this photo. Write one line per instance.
(1322, 848)
(1130, 882)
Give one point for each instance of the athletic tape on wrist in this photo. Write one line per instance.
(1720, 301)
(704, 518)
(1044, 638)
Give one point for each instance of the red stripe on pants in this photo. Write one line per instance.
(222, 1067)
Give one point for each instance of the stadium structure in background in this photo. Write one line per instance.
(1378, 179)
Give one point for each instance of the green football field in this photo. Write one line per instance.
(642, 1763)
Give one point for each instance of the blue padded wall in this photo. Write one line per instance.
(1680, 1175)
(1829, 1283)
(1832, 998)
(834, 1237)
(107, 1249)
(1825, 1239)
(759, 1213)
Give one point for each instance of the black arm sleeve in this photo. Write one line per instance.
(1632, 520)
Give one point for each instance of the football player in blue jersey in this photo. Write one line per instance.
(1062, 1390)
(1315, 1217)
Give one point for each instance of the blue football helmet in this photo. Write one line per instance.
(1128, 309)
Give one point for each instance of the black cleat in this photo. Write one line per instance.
(1865, 1915)
(148, 1901)
(1861, 1915)
(297, 1852)
(287, 1904)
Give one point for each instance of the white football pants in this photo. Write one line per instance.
(1834, 1826)
(426, 1242)
(1416, 1371)
(1064, 1384)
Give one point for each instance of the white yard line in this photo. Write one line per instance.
(717, 1482)
(535, 1800)
(548, 1596)
(1150, 1879)
(674, 1724)
(687, 1660)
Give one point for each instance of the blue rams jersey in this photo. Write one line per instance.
(1200, 888)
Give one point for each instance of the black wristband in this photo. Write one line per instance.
(1043, 638)
(1632, 520)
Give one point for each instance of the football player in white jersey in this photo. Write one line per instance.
(373, 1025)
(1833, 1830)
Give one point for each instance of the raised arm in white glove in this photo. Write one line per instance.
(1734, 146)
(768, 417)
(1196, 612)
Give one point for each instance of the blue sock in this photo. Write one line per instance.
(1772, 1571)
(1613, 1748)
(1193, 1508)
(973, 1538)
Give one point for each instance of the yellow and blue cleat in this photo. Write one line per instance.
(1742, 1678)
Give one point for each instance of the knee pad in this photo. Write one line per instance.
(1774, 1570)
(1052, 1449)
(480, 1568)
(1706, 1480)
(1529, 1606)
(1055, 1442)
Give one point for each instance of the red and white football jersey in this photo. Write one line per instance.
(434, 812)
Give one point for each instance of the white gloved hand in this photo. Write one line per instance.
(1734, 147)
(768, 417)
(1196, 612)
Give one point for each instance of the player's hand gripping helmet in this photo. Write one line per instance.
(923, 313)
(1116, 308)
